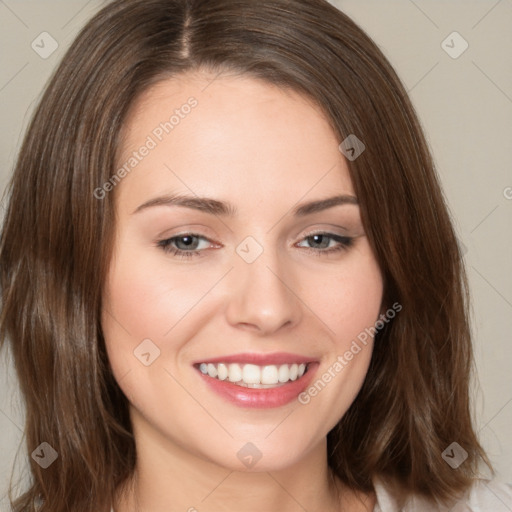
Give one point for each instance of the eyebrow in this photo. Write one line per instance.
(215, 207)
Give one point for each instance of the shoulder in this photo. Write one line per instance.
(484, 495)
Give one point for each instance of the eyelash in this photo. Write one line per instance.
(343, 241)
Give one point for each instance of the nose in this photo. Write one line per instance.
(262, 296)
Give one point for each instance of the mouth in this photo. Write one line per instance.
(254, 376)
(257, 380)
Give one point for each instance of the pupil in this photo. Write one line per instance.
(186, 241)
(317, 239)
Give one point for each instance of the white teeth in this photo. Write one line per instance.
(270, 375)
(294, 370)
(251, 375)
(212, 370)
(234, 372)
(284, 373)
(222, 371)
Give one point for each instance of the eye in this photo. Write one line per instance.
(327, 243)
(186, 245)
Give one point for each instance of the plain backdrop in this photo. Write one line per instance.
(464, 101)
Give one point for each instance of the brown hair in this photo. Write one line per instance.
(57, 238)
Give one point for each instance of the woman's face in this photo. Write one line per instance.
(230, 270)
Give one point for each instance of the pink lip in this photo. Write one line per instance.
(260, 398)
(259, 359)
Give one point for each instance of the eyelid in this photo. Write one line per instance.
(326, 231)
(344, 227)
(186, 229)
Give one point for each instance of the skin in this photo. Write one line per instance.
(265, 150)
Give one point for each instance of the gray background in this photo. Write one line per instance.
(465, 105)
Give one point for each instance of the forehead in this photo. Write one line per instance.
(232, 136)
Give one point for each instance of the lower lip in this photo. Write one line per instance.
(260, 398)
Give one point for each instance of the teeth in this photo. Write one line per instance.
(234, 373)
(222, 371)
(270, 375)
(251, 375)
(212, 370)
(294, 370)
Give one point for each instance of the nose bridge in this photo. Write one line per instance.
(260, 295)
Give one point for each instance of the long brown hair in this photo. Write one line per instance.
(57, 239)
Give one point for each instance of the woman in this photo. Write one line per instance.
(229, 277)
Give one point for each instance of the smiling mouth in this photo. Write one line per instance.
(254, 376)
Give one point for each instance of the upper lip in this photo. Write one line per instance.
(260, 359)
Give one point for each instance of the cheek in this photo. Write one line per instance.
(147, 299)
(350, 298)
(142, 304)
(349, 303)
